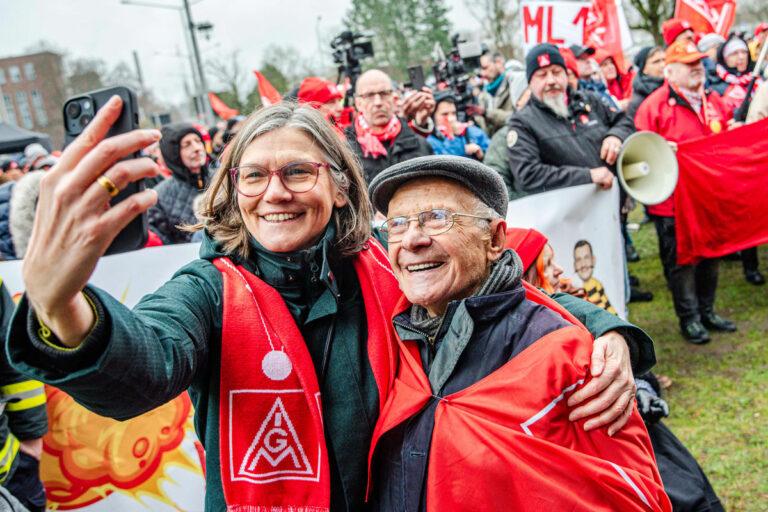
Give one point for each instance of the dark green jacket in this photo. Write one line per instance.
(170, 342)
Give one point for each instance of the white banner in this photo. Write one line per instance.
(557, 22)
(569, 217)
(151, 462)
(127, 276)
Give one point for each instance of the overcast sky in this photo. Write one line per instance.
(110, 30)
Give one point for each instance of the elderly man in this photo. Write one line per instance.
(679, 110)
(477, 418)
(562, 137)
(379, 137)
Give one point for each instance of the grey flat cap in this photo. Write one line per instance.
(483, 181)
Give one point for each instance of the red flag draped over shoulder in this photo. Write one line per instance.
(268, 93)
(707, 16)
(222, 109)
(718, 196)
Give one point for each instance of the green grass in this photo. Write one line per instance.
(719, 397)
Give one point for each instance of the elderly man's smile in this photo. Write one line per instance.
(424, 267)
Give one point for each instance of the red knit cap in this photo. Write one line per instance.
(527, 243)
(672, 28)
(570, 60)
(317, 91)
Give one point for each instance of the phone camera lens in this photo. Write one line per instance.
(85, 120)
(73, 110)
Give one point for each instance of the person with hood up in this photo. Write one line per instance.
(649, 62)
(734, 68)
(617, 80)
(184, 154)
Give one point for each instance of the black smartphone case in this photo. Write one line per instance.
(134, 235)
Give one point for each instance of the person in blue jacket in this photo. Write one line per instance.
(451, 137)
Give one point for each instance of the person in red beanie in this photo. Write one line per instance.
(571, 67)
(676, 29)
(539, 266)
(322, 95)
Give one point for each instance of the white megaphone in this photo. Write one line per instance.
(647, 168)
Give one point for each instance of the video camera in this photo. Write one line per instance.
(349, 48)
(453, 70)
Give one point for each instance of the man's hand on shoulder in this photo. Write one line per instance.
(611, 391)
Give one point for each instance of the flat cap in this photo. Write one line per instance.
(480, 179)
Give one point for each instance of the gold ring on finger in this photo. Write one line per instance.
(108, 185)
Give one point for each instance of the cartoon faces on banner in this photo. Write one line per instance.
(582, 225)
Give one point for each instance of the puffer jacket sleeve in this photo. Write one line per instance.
(133, 360)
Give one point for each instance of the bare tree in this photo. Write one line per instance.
(230, 74)
(499, 21)
(751, 12)
(648, 15)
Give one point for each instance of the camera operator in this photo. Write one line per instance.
(379, 137)
(497, 100)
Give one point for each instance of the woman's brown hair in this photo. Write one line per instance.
(219, 213)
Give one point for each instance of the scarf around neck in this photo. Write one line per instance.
(732, 78)
(505, 274)
(493, 87)
(372, 143)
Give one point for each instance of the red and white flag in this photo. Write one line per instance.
(269, 95)
(606, 28)
(222, 110)
(706, 16)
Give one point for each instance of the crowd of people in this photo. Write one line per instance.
(358, 256)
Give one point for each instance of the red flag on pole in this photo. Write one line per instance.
(269, 95)
(602, 30)
(221, 108)
(717, 199)
(706, 16)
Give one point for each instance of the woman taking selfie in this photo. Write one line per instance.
(281, 330)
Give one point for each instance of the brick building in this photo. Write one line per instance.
(33, 93)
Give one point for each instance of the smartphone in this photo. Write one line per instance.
(79, 110)
(416, 76)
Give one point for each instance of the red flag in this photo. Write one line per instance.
(603, 31)
(706, 16)
(221, 108)
(717, 200)
(269, 95)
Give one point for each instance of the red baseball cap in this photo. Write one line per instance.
(760, 28)
(672, 28)
(314, 89)
(527, 243)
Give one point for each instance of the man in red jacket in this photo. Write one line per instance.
(682, 109)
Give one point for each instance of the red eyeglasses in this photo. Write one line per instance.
(252, 180)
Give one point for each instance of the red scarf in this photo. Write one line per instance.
(272, 443)
(372, 143)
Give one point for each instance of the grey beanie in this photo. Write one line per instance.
(483, 181)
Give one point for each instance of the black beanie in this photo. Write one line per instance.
(541, 56)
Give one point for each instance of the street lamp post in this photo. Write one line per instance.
(198, 75)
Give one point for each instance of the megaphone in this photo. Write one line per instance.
(647, 168)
